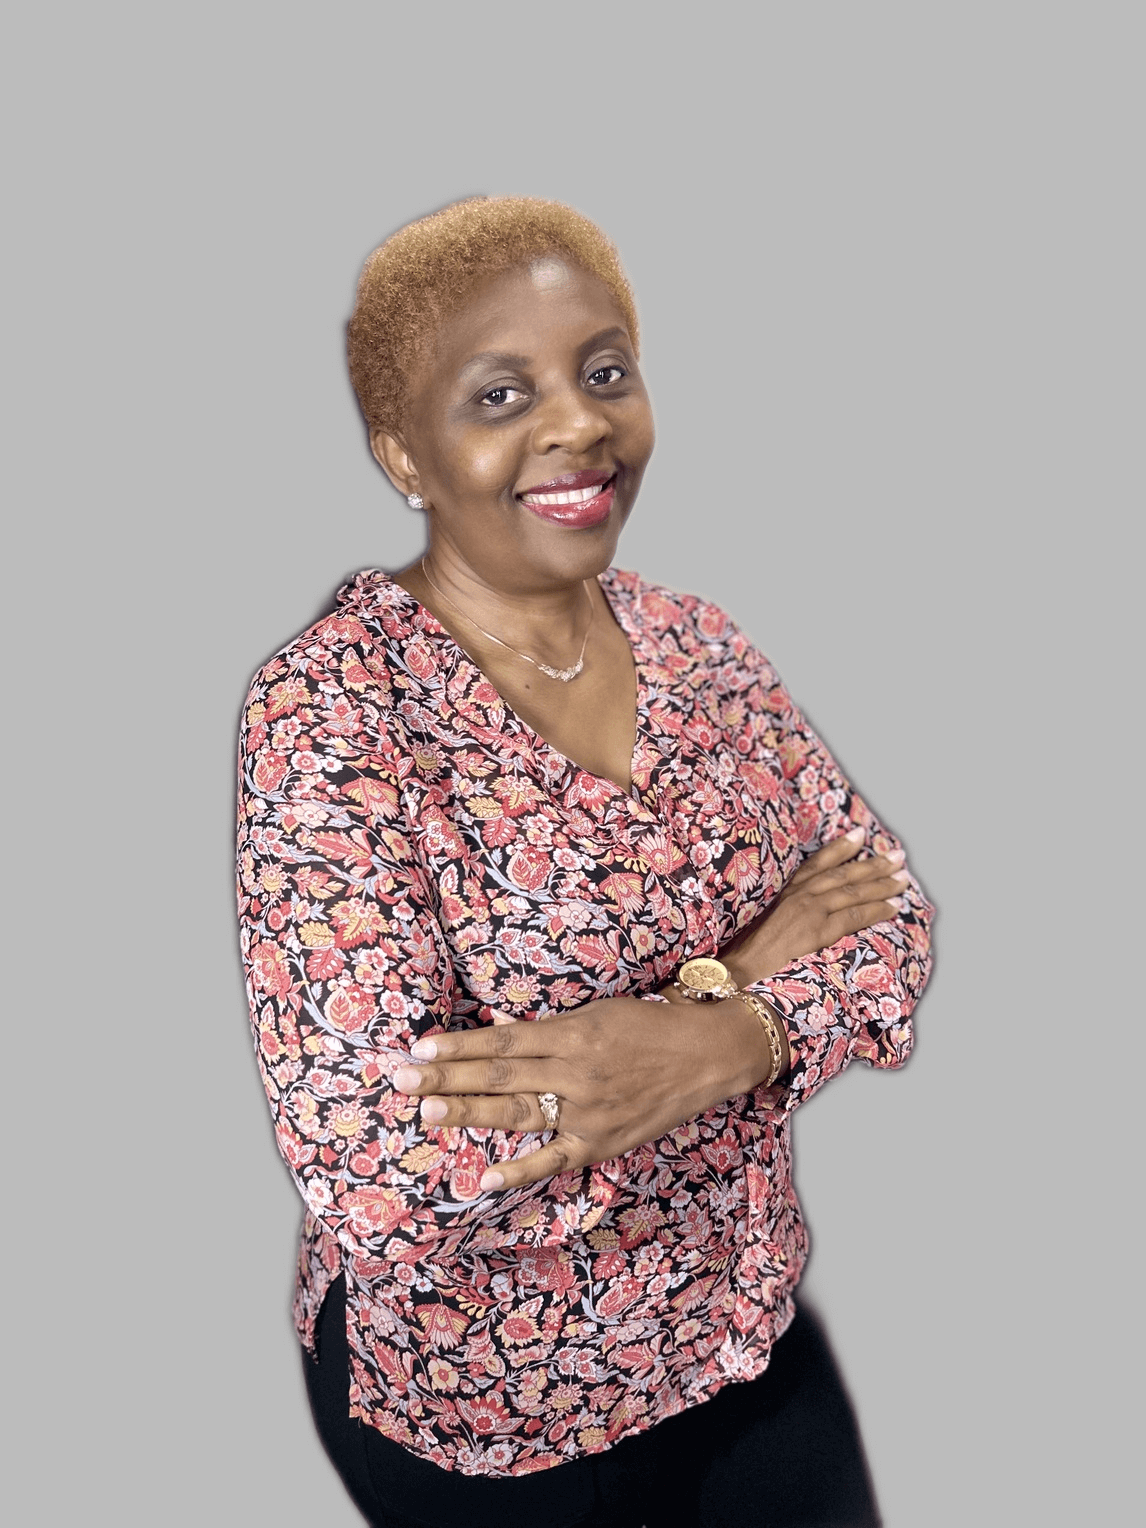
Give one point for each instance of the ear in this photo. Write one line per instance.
(395, 461)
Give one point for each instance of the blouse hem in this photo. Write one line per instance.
(686, 1398)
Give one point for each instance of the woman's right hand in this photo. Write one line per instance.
(832, 894)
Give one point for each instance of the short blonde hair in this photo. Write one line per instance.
(425, 270)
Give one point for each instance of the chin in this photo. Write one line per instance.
(572, 556)
(572, 552)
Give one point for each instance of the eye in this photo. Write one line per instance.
(604, 375)
(498, 397)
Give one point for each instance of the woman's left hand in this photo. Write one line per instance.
(625, 1072)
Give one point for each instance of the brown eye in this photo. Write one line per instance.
(606, 374)
(498, 397)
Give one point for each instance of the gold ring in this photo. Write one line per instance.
(550, 1109)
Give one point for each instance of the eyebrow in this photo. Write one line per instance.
(493, 358)
(614, 332)
(520, 362)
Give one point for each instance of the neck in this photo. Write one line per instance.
(543, 618)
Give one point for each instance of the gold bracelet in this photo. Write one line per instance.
(769, 1026)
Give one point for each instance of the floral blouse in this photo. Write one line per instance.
(411, 853)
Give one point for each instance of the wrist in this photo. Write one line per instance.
(774, 1032)
(747, 1041)
(671, 993)
(754, 1052)
(739, 969)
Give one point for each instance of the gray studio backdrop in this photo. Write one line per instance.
(883, 258)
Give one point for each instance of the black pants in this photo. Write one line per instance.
(780, 1451)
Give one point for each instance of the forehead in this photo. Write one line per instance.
(547, 303)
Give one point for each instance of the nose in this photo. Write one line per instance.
(569, 419)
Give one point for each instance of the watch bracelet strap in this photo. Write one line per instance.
(768, 1024)
(712, 995)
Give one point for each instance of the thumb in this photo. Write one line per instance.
(502, 1018)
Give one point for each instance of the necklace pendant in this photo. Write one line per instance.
(565, 675)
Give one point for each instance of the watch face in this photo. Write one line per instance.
(703, 974)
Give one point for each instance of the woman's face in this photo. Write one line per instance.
(528, 429)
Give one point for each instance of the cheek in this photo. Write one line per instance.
(481, 465)
(639, 435)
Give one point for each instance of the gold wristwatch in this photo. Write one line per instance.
(704, 980)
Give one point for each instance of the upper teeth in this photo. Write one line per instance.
(573, 496)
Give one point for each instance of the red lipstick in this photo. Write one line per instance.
(578, 500)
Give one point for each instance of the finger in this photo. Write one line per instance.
(865, 870)
(560, 1155)
(855, 919)
(837, 852)
(497, 1074)
(504, 1037)
(508, 1111)
(859, 893)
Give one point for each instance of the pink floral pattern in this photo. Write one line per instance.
(410, 853)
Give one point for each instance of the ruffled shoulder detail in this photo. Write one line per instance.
(658, 610)
(370, 591)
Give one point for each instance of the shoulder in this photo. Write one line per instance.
(341, 670)
(347, 648)
(688, 620)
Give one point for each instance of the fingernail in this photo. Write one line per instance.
(898, 903)
(855, 836)
(425, 1050)
(902, 876)
(434, 1109)
(895, 856)
(407, 1078)
(502, 1018)
(492, 1180)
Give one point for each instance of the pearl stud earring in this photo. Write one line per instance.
(415, 501)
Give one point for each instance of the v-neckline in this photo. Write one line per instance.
(565, 767)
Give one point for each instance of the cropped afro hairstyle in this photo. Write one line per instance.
(426, 270)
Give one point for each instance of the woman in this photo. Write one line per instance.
(547, 1269)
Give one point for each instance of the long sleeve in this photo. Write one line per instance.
(347, 965)
(855, 998)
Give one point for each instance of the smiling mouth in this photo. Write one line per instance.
(574, 505)
(570, 489)
(565, 496)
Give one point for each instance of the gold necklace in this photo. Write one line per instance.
(566, 675)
